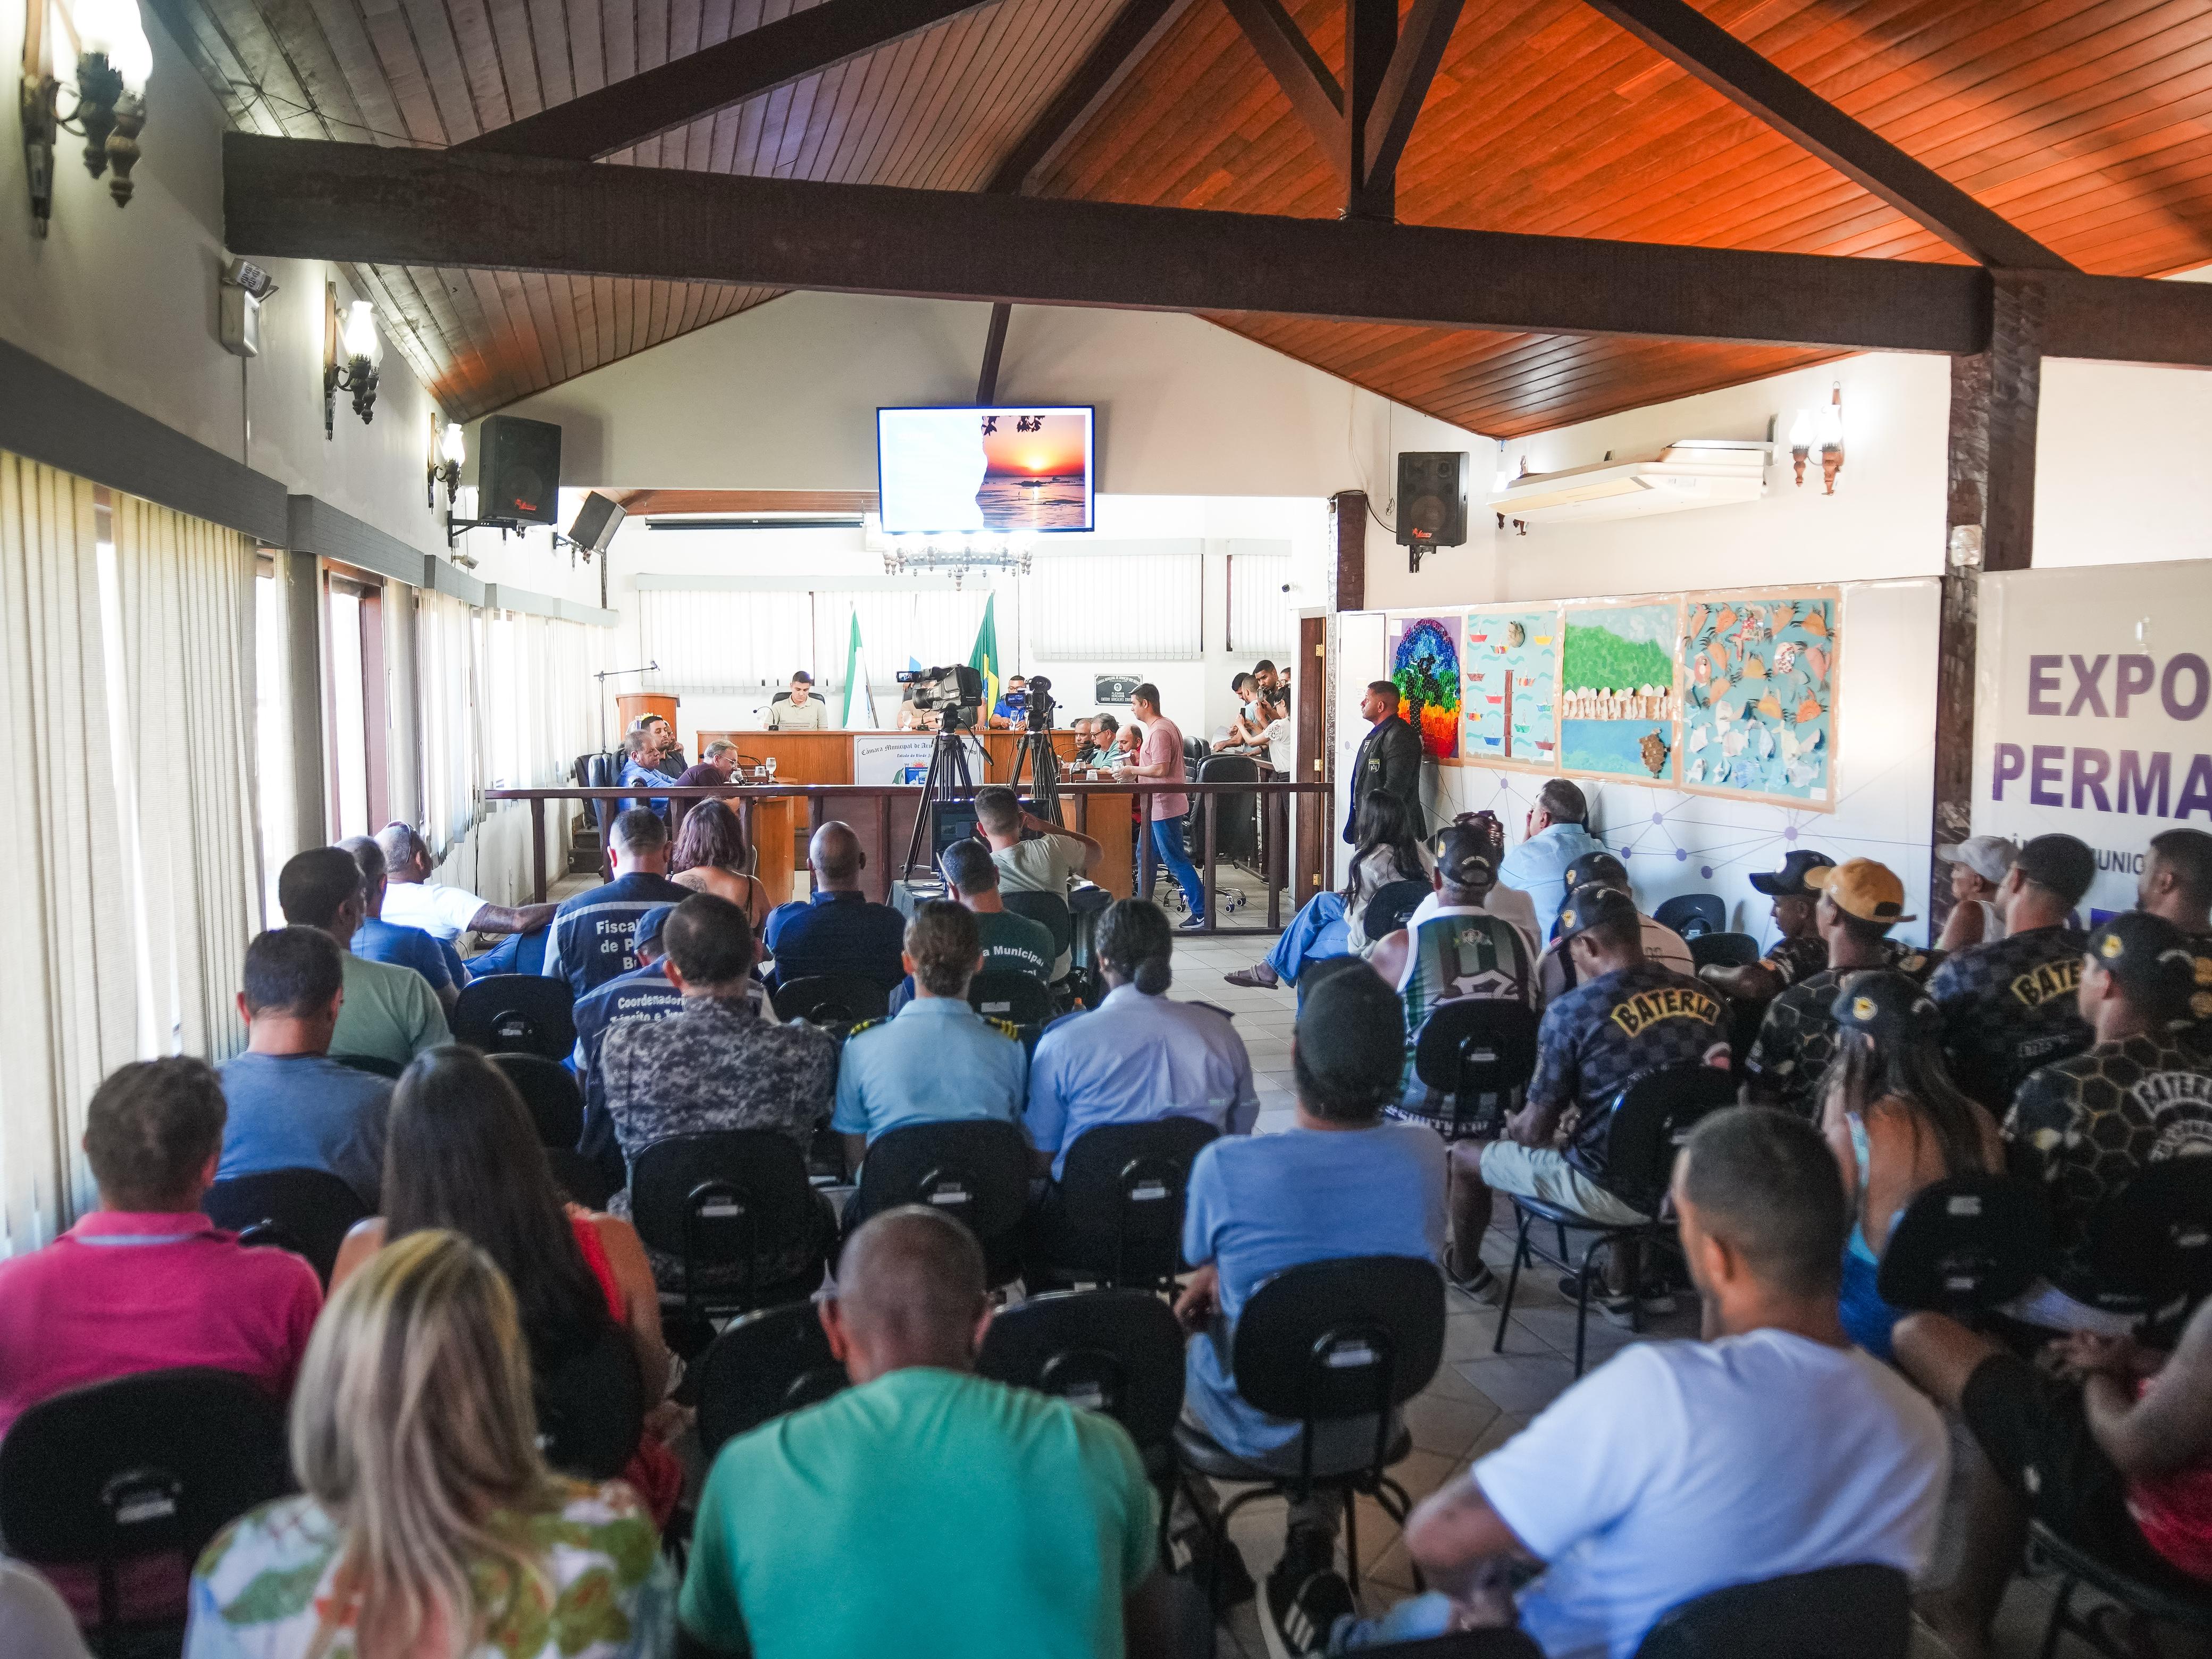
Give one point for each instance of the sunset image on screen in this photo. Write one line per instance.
(1055, 450)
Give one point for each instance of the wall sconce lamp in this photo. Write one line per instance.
(1800, 443)
(350, 357)
(114, 59)
(1831, 440)
(452, 450)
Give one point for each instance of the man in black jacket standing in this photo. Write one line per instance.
(1389, 759)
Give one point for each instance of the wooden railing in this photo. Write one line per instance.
(1110, 804)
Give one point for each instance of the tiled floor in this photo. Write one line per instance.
(1479, 1398)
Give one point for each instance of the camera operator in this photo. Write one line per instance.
(1012, 707)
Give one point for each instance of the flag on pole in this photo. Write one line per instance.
(984, 660)
(860, 699)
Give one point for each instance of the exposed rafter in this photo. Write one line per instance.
(681, 91)
(1135, 30)
(1397, 104)
(1314, 93)
(1685, 36)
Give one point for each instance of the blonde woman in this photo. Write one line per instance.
(430, 1528)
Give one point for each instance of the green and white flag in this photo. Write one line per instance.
(984, 658)
(859, 701)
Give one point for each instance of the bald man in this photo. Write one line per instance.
(838, 930)
(885, 1519)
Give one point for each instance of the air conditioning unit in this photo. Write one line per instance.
(1690, 472)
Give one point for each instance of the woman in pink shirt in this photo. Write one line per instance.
(1162, 757)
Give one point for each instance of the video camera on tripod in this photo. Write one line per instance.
(955, 694)
(1039, 706)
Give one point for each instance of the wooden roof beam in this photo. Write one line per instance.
(1136, 29)
(1315, 96)
(1679, 33)
(679, 92)
(1397, 104)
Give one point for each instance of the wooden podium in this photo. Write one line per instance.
(630, 704)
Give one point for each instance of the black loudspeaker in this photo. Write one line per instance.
(1432, 499)
(597, 520)
(518, 470)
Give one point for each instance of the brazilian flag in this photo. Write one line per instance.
(984, 658)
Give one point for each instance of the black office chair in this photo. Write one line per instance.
(549, 1090)
(1121, 1202)
(517, 1014)
(767, 1364)
(1859, 1612)
(1236, 818)
(374, 1065)
(582, 1179)
(148, 1465)
(731, 1206)
(1087, 904)
(1346, 1341)
(976, 1170)
(2077, 1567)
(312, 1209)
(1652, 1118)
(604, 772)
(2150, 1245)
(1727, 950)
(1392, 907)
(1050, 912)
(839, 1000)
(1964, 1245)
(1009, 994)
(591, 1407)
(1693, 914)
(1479, 1052)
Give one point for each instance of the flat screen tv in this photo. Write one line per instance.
(1013, 471)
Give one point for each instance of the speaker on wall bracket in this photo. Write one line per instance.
(1431, 500)
(518, 475)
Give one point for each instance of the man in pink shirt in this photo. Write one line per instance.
(146, 1282)
(1161, 757)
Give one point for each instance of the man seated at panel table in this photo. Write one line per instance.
(1556, 974)
(179, 1291)
(379, 940)
(638, 771)
(836, 929)
(2011, 1006)
(391, 1013)
(797, 709)
(412, 900)
(1011, 943)
(667, 757)
(1096, 749)
(718, 766)
(937, 1059)
(1627, 1018)
(2081, 1128)
(925, 1510)
(1013, 708)
(1772, 1447)
(593, 929)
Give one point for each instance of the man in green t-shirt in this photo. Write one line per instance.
(925, 1511)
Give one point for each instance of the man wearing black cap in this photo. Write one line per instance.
(1555, 976)
(1627, 1017)
(2009, 1006)
(641, 994)
(2086, 1126)
(1799, 953)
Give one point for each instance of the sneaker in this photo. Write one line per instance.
(1189, 1553)
(1259, 977)
(1192, 922)
(1306, 1596)
(1616, 1310)
(1480, 1282)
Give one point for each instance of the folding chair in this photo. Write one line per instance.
(1858, 1611)
(549, 1090)
(1481, 1050)
(763, 1365)
(311, 1210)
(517, 1014)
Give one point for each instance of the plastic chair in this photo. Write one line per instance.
(767, 1364)
(1693, 915)
(1009, 994)
(311, 1210)
(831, 1000)
(976, 1170)
(1340, 1341)
(1121, 1193)
(591, 1407)
(374, 1065)
(549, 1090)
(148, 1465)
(728, 1203)
(1727, 950)
(2150, 1245)
(1392, 907)
(1651, 1117)
(1481, 1049)
(1049, 911)
(517, 1014)
(1858, 1611)
(2077, 1567)
(1964, 1245)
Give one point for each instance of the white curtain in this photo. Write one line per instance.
(447, 651)
(537, 716)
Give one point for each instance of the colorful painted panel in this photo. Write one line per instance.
(1759, 680)
(1424, 664)
(1618, 708)
(1509, 679)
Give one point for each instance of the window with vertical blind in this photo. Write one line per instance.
(1262, 621)
(1138, 607)
(935, 626)
(710, 639)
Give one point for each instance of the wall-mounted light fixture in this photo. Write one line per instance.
(1800, 443)
(1831, 439)
(114, 59)
(350, 356)
(452, 449)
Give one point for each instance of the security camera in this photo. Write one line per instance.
(1286, 587)
(244, 273)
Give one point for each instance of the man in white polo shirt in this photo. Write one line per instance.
(412, 900)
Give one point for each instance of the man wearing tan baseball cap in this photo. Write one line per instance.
(1860, 901)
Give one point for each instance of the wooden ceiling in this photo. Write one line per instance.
(2088, 123)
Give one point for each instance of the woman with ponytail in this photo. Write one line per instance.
(1139, 1055)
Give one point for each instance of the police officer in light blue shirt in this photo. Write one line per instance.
(937, 1060)
(1559, 833)
(1138, 1056)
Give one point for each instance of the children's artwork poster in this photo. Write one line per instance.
(1758, 694)
(1509, 686)
(1424, 666)
(1618, 706)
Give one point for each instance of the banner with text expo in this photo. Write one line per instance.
(2094, 709)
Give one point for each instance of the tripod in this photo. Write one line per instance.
(947, 779)
(1036, 752)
